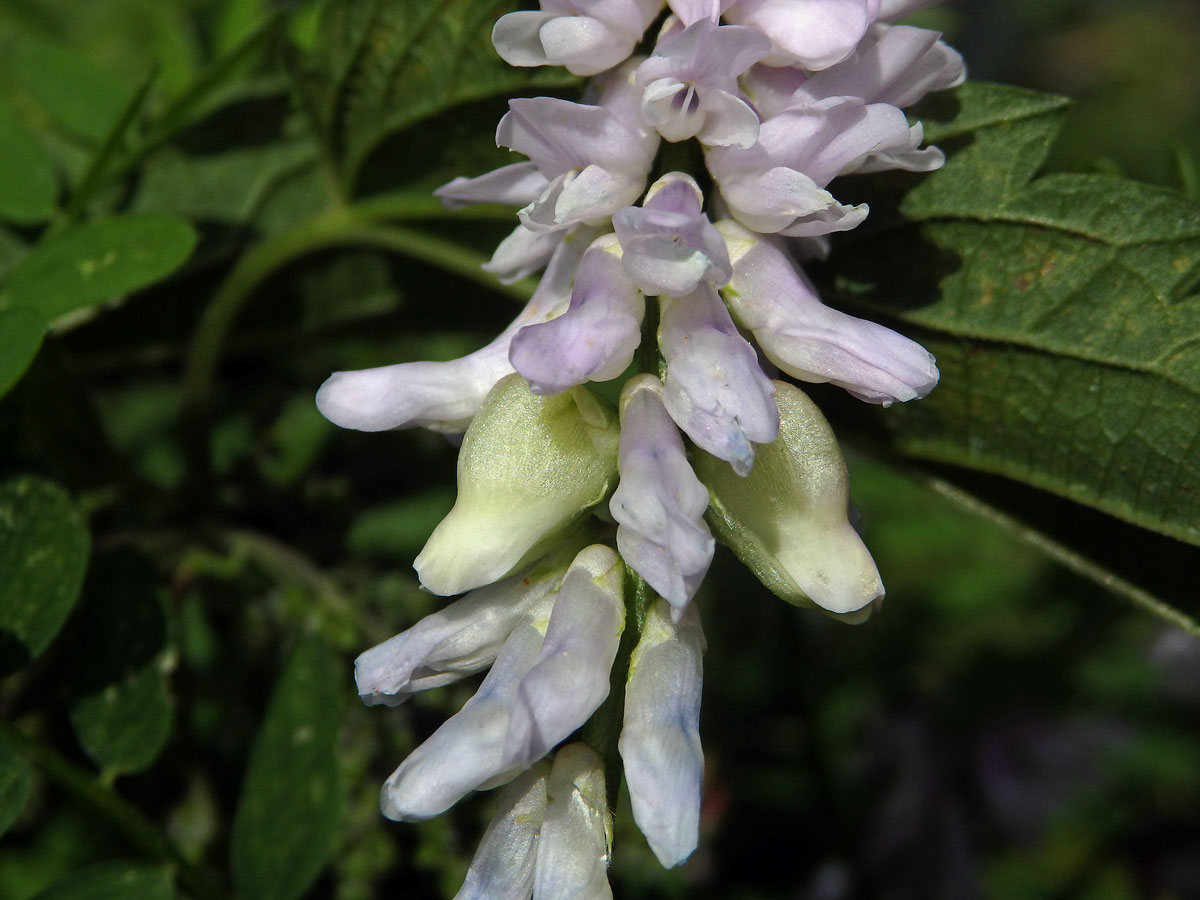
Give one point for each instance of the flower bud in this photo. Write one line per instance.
(787, 520)
(529, 467)
(573, 851)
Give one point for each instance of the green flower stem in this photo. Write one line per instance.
(1069, 558)
(126, 820)
(338, 226)
(603, 729)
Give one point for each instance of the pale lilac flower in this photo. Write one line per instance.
(714, 388)
(547, 679)
(669, 246)
(518, 184)
(777, 186)
(570, 677)
(659, 503)
(595, 339)
(593, 162)
(689, 85)
(586, 36)
(457, 640)
(772, 297)
(812, 34)
(503, 864)
(660, 737)
(576, 838)
(445, 396)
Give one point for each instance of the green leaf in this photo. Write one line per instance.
(383, 66)
(43, 556)
(21, 333)
(27, 186)
(15, 782)
(291, 801)
(80, 96)
(122, 714)
(1062, 311)
(113, 881)
(98, 261)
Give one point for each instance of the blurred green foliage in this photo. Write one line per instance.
(223, 227)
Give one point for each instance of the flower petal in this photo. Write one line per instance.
(660, 737)
(573, 852)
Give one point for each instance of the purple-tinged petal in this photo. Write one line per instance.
(809, 340)
(669, 245)
(468, 750)
(660, 736)
(784, 200)
(595, 339)
(516, 185)
(714, 388)
(503, 865)
(457, 640)
(445, 396)
(729, 121)
(896, 64)
(570, 678)
(812, 33)
(517, 37)
(659, 504)
(690, 11)
(559, 135)
(522, 253)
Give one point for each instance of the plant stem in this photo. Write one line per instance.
(126, 820)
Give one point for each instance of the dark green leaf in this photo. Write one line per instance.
(80, 96)
(99, 261)
(384, 66)
(1062, 312)
(122, 711)
(21, 333)
(113, 881)
(27, 186)
(291, 800)
(43, 555)
(15, 782)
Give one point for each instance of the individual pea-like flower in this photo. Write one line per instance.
(595, 338)
(549, 675)
(770, 296)
(659, 504)
(668, 245)
(714, 388)
(660, 735)
(586, 37)
(689, 85)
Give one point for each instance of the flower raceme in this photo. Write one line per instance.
(653, 284)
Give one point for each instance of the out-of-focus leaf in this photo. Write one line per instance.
(27, 186)
(98, 261)
(1062, 311)
(382, 66)
(21, 333)
(15, 782)
(113, 881)
(78, 95)
(228, 187)
(398, 530)
(291, 800)
(122, 714)
(43, 554)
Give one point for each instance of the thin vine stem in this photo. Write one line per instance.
(138, 831)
